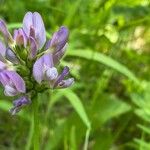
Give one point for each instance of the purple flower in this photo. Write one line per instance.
(19, 103)
(12, 82)
(58, 43)
(60, 82)
(5, 32)
(21, 53)
(20, 37)
(44, 69)
(58, 39)
(33, 26)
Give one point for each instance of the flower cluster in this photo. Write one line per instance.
(28, 63)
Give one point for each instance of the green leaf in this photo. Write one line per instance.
(143, 143)
(101, 58)
(77, 105)
(144, 128)
(107, 108)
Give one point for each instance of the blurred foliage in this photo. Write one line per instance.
(108, 108)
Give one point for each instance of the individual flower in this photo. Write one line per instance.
(61, 82)
(33, 26)
(12, 82)
(58, 43)
(44, 69)
(6, 53)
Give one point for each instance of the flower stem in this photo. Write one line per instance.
(36, 139)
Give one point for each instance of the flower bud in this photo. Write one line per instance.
(19, 103)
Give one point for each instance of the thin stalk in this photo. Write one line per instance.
(36, 138)
(87, 138)
(29, 139)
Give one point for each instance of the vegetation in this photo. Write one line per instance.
(108, 107)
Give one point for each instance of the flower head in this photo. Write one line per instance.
(28, 64)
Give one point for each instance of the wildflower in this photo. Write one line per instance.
(28, 64)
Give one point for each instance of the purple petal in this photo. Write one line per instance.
(5, 31)
(11, 56)
(48, 60)
(48, 44)
(4, 79)
(40, 29)
(33, 48)
(2, 48)
(2, 66)
(27, 23)
(57, 56)
(17, 81)
(38, 70)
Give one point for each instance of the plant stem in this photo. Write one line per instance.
(36, 139)
(87, 138)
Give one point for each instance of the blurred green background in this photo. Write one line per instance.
(108, 108)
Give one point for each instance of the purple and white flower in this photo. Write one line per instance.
(34, 27)
(12, 82)
(27, 57)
